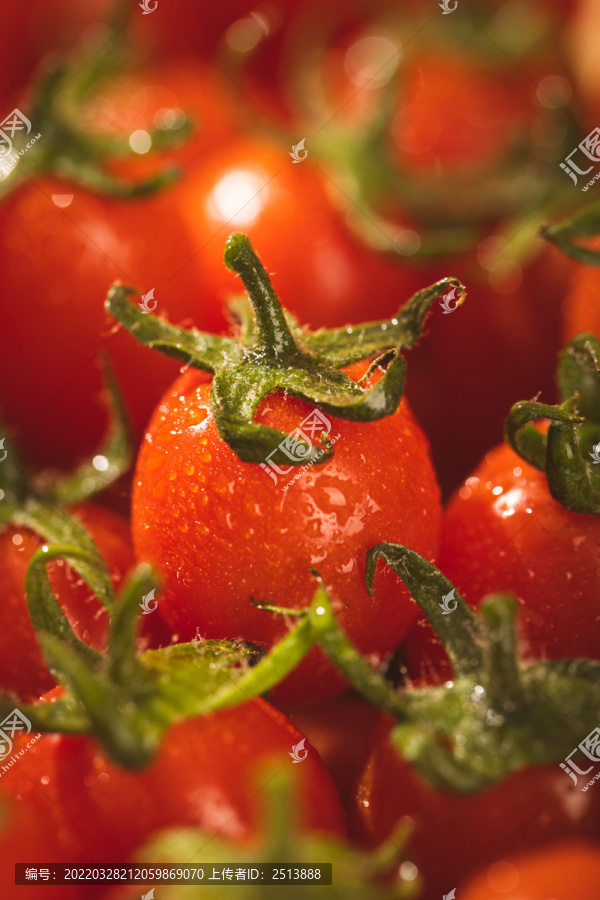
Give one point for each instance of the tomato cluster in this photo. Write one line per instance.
(239, 381)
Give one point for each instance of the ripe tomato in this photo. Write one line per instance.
(439, 160)
(221, 531)
(207, 774)
(22, 668)
(568, 870)
(323, 275)
(60, 249)
(455, 834)
(502, 531)
(58, 263)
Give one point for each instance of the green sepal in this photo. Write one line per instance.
(570, 235)
(46, 613)
(569, 452)
(460, 631)
(340, 650)
(65, 150)
(357, 874)
(497, 716)
(128, 699)
(13, 481)
(275, 353)
(58, 527)
(528, 442)
(115, 454)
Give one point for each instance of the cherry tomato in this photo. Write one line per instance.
(208, 773)
(61, 247)
(450, 125)
(221, 531)
(564, 871)
(502, 531)
(454, 835)
(322, 274)
(22, 668)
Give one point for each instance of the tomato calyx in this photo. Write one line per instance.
(129, 699)
(383, 874)
(271, 351)
(569, 453)
(359, 155)
(62, 148)
(36, 501)
(572, 235)
(500, 713)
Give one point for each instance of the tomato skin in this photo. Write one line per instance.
(221, 531)
(60, 260)
(207, 774)
(581, 309)
(58, 269)
(455, 834)
(22, 668)
(568, 870)
(519, 540)
(338, 730)
(320, 271)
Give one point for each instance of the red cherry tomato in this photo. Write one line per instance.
(208, 773)
(454, 834)
(322, 274)
(221, 531)
(568, 870)
(61, 248)
(502, 531)
(22, 668)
